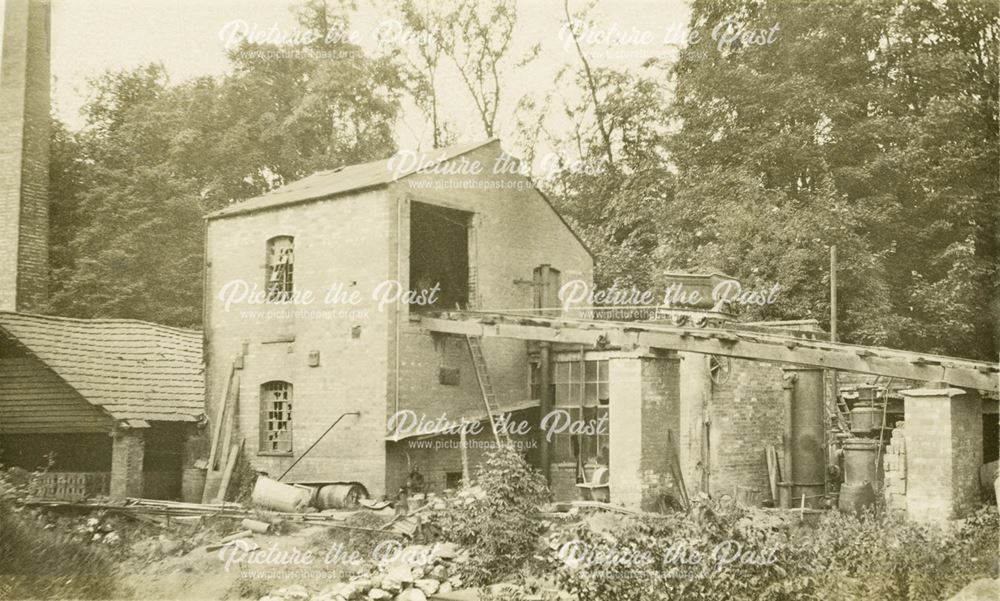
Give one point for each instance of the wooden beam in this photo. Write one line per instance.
(759, 346)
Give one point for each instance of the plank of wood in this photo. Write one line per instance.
(966, 373)
(607, 507)
(771, 457)
(213, 478)
(212, 481)
(227, 475)
(676, 474)
(232, 403)
(217, 427)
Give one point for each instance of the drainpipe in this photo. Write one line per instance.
(788, 394)
(399, 276)
(547, 401)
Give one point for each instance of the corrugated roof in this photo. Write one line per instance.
(324, 184)
(135, 370)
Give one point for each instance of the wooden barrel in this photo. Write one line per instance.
(855, 497)
(193, 484)
(343, 495)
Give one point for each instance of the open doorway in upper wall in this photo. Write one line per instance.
(439, 256)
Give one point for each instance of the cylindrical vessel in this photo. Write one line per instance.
(808, 437)
(865, 420)
(811, 495)
(861, 461)
(279, 496)
(340, 496)
(855, 497)
(193, 484)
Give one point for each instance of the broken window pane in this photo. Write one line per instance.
(280, 269)
(276, 407)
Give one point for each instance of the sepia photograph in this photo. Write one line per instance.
(500, 300)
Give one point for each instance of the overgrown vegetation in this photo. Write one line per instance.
(845, 557)
(497, 518)
(40, 563)
(720, 550)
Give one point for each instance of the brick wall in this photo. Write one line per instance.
(515, 232)
(661, 414)
(943, 435)
(644, 405)
(127, 450)
(438, 456)
(342, 240)
(746, 414)
(364, 239)
(894, 464)
(967, 448)
(24, 156)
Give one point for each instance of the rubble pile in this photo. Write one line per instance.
(412, 573)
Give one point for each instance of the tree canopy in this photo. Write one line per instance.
(781, 129)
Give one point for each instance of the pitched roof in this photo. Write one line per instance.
(324, 184)
(134, 370)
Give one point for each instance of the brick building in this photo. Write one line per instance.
(369, 232)
(113, 402)
(321, 296)
(296, 308)
(24, 156)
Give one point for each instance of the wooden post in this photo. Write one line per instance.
(833, 293)
(464, 444)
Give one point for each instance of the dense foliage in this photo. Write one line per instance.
(129, 191)
(745, 554)
(870, 125)
(497, 519)
(867, 125)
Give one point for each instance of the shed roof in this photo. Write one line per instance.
(135, 370)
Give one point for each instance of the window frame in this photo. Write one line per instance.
(266, 408)
(286, 257)
(583, 391)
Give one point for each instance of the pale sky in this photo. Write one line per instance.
(186, 36)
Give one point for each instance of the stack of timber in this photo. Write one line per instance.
(224, 452)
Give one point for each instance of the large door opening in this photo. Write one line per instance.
(439, 256)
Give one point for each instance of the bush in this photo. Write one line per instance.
(715, 552)
(844, 557)
(499, 520)
(879, 557)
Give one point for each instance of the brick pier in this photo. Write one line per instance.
(944, 450)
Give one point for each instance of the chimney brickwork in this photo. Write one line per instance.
(24, 156)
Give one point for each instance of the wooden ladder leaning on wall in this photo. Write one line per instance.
(476, 348)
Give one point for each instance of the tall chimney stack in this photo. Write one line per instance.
(24, 157)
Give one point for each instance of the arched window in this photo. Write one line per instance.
(276, 417)
(280, 268)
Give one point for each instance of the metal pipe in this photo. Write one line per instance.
(788, 395)
(545, 406)
(321, 436)
(833, 293)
